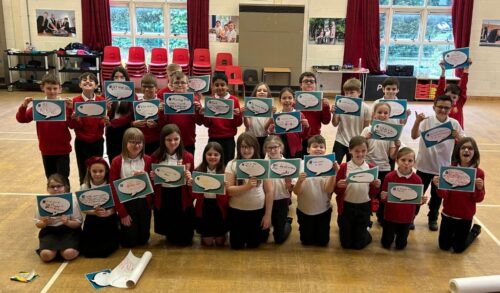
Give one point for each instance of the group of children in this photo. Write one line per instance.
(250, 207)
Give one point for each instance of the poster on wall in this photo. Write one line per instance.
(490, 33)
(326, 31)
(56, 23)
(224, 28)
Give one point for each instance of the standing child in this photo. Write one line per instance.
(349, 126)
(399, 216)
(250, 200)
(171, 68)
(258, 125)
(314, 195)
(390, 87)
(459, 207)
(220, 130)
(54, 138)
(100, 230)
(89, 131)
(135, 215)
(211, 209)
(353, 199)
(430, 159)
(282, 224)
(173, 206)
(59, 234)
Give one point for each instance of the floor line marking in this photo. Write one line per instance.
(483, 227)
(488, 205)
(54, 277)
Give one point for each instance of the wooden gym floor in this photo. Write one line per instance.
(291, 267)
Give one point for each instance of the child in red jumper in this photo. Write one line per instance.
(399, 216)
(459, 207)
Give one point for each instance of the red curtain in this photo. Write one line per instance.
(461, 18)
(96, 24)
(197, 19)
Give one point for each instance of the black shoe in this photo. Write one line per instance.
(412, 226)
(433, 225)
(476, 230)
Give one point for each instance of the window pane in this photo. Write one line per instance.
(124, 44)
(382, 25)
(432, 55)
(120, 19)
(403, 55)
(149, 20)
(439, 28)
(178, 21)
(405, 26)
(383, 2)
(439, 2)
(409, 2)
(148, 44)
(382, 54)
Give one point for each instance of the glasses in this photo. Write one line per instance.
(466, 147)
(179, 82)
(308, 81)
(446, 108)
(246, 147)
(273, 147)
(135, 142)
(58, 186)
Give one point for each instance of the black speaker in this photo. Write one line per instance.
(399, 70)
(374, 91)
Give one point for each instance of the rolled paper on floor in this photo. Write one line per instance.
(130, 269)
(475, 284)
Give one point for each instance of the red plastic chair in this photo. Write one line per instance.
(201, 58)
(180, 56)
(234, 77)
(111, 56)
(136, 56)
(222, 60)
(159, 57)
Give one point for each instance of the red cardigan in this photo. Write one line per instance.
(187, 197)
(457, 111)
(114, 174)
(224, 128)
(89, 129)
(294, 139)
(399, 212)
(315, 120)
(340, 192)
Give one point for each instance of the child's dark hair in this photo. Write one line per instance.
(405, 151)
(319, 139)
(307, 74)
(204, 165)
(287, 89)
(122, 70)
(259, 85)
(219, 75)
(90, 75)
(357, 140)
(453, 88)
(161, 152)
(250, 140)
(455, 158)
(50, 78)
(444, 98)
(390, 81)
(59, 179)
(91, 161)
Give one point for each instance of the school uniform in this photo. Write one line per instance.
(119, 123)
(256, 126)
(457, 110)
(293, 141)
(315, 120)
(173, 206)
(282, 226)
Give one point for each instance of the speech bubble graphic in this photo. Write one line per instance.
(131, 186)
(347, 105)
(455, 58)
(287, 121)
(385, 131)
(252, 169)
(283, 168)
(456, 178)
(179, 103)
(396, 108)
(91, 109)
(94, 198)
(197, 84)
(147, 109)
(257, 107)
(319, 165)
(207, 182)
(48, 109)
(363, 178)
(102, 279)
(404, 193)
(168, 174)
(438, 134)
(307, 100)
(119, 90)
(217, 107)
(55, 205)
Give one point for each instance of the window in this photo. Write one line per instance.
(149, 24)
(415, 32)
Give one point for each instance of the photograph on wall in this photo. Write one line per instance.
(326, 31)
(223, 28)
(490, 33)
(56, 23)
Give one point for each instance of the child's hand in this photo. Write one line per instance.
(226, 184)
(274, 109)
(69, 103)
(479, 184)
(106, 121)
(101, 212)
(64, 219)
(161, 106)
(302, 177)
(152, 174)
(43, 222)
(138, 123)
(270, 129)
(332, 109)
(138, 172)
(376, 183)
(408, 113)
(126, 221)
(189, 178)
(151, 123)
(383, 195)
(435, 180)
(325, 103)
(441, 64)
(237, 111)
(425, 198)
(252, 182)
(201, 111)
(420, 117)
(305, 123)
(243, 109)
(266, 222)
(26, 101)
(368, 135)
(197, 106)
(397, 143)
(455, 134)
(109, 103)
(342, 183)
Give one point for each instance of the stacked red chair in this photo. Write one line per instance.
(222, 60)
(201, 62)
(136, 64)
(234, 77)
(159, 62)
(181, 57)
(111, 59)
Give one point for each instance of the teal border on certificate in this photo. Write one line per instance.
(124, 197)
(101, 104)
(211, 114)
(108, 84)
(280, 130)
(349, 100)
(175, 168)
(264, 164)
(263, 103)
(379, 130)
(457, 171)
(417, 188)
(215, 178)
(301, 96)
(431, 143)
(108, 204)
(138, 116)
(65, 196)
(308, 164)
(373, 171)
(287, 165)
(37, 116)
(402, 102)
(205, 78)
(171, 111)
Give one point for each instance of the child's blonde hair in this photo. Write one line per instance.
(352, 84)
(405, 151)
(148, 78)
(273, 139)
(172, 67)
(259, 85)
(177, 75)
(50, 78)
(380, 104)
(132, 134)
(59, 179)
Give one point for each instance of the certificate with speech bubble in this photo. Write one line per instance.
(146, 110)
(133, 187)
(95, 197)
(457, 178)
(173, 175)
(178, 103)
(322, 165)
(381, 130)
(404, 193)
(284, 168)
(458, 58)
(200, 84)
(49, 110)
(287, 122)
(119, 90)
(308, 101)
(99, 279)
(90, 109)
(258, 107)
(208, 183)
(437, 134)
(55, 204)
(348, 106)
(398, 108)
(258, 168)
(363, 176)
(219, 108)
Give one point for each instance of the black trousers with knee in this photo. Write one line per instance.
(315, 229)
(85, 150)
(245, 228)
(455, 233)
(353, 223)
(397, 232)
(435, 201)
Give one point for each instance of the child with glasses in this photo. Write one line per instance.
(430, 159)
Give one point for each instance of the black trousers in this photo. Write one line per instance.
(281, 226)
(138, 232)
(56, 164)
(314, 230)
(455, 233)
(228, 145)
(381, 204)
(353, 224)
(435, 201)
(114, 137)
(340, 151)
(85, 150)
(395, 231)
(245, 228)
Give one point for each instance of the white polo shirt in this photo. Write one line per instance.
(249, 200)
(351, 126)
(313, 200)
